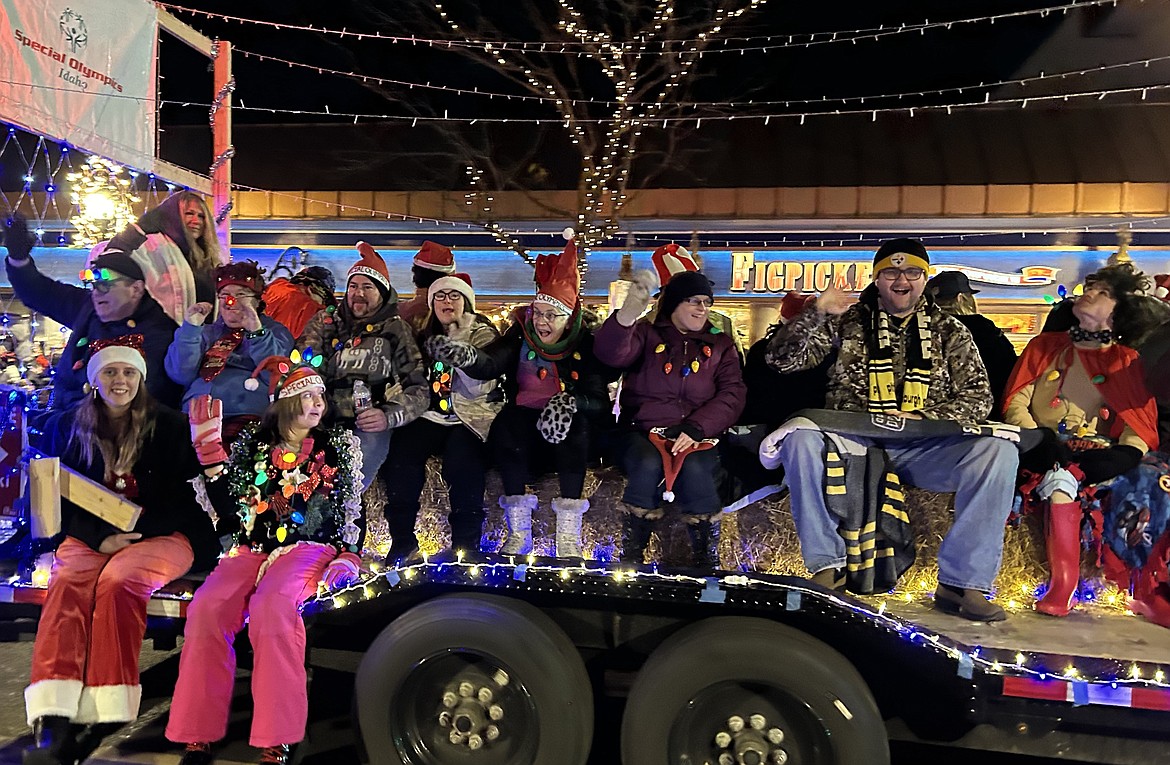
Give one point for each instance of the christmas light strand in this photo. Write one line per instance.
(659, 47)
(513, 574)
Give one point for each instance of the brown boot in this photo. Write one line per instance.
(967, 603)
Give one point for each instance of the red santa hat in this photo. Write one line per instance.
(435, 257)
(126, 349)
(557, 279)
(371, 266)
(460, 282)
(1162, 286)
(671, 259)
(288, 376)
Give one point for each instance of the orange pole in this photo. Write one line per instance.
(222, 149)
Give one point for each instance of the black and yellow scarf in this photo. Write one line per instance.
(884, 393)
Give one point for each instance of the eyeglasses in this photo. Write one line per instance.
(911, 274)
(229, 299)
(450, 296)
(103, 286)
(548, 316)
(699, 302)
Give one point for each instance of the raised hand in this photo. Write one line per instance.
(834, 301)
(637, 297)
(206, 417)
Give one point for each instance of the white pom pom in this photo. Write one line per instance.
(668, 496)
(568, 233)
(252, 383)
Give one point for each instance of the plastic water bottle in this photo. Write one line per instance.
(361, 397)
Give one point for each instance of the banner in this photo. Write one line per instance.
(83, 72)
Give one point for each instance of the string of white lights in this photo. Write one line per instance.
(659, 47)
(366, 589)
(823, 100)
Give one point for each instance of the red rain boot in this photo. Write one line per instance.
(1063, 539)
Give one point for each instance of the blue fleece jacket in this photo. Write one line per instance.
(185, 356)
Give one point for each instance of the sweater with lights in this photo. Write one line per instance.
(282, 497)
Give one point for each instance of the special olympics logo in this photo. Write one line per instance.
(73, 27)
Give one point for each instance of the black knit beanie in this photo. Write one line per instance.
(681, 286)
(119, 262)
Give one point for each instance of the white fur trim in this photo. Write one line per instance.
(110, 355)
(199, 484)
(301, 385)
(109, 703)
(444, 283)
(52, 697)
(360, 270)
(543, 297)
(350, 533)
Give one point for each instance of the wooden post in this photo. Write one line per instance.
(222, 149)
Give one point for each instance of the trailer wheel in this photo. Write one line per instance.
(748, 691)
(474, 679)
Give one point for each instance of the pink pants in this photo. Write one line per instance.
(207, 666)
(85, 659)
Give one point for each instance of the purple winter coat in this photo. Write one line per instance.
(711, 398)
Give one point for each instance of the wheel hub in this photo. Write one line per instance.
(470, 709)
(753, 743)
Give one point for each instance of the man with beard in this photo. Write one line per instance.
(369, 351)
(118, 304)
(900, 361)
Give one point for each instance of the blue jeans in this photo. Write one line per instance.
(980, 471)
(694, 487)
(375, 447)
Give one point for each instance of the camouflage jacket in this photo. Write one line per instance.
(958, 380)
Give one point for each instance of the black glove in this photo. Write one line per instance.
(690, 428)
(18, 239)
(1103, 464)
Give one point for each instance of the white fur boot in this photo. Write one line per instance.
(518, 513)
(569, 512)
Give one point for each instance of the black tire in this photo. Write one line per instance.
(545, 697)
(700, 677)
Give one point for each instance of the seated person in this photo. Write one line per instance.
(555, 387)
(117, 304)
(1086, 386)
(216, 359)
(455, 426)
(287, 542)
(902, 357)
(294, 301)
(952, 293)
(681, 375)
(373, 370)
(432, 261)
(85, 658)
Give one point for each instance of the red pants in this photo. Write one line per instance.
(85, 659)
(207, 666)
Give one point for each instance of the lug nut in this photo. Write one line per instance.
(496, 712)
(722, 739)
(779, 756)
(484, 695)
(474, 741)
(450, 700)
(776, 736)
(757, 722)
(445, 719)
(726, 759)
(735, 723)
(491, 732)
(455, 737)
(466, 689)
(501, 678)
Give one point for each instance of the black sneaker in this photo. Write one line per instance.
(275, 755)
(198, 753)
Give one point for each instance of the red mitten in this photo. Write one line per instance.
(206, 416)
